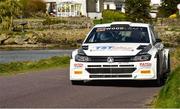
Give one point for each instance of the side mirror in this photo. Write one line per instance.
(158, 40)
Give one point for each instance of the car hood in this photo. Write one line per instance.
(125, 49)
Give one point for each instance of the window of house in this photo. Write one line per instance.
(119, 7)
(108, 7)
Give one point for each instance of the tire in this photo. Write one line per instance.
(168, 69)
(160, 77)
(159, 81)
(74, 82)
(169, 65)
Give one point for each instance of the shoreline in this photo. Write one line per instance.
(37, 47)
(14, 68)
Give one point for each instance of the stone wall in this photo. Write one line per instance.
(42, 24)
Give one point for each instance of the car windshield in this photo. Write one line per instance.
(118, 35)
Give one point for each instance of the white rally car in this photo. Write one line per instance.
(120, 51)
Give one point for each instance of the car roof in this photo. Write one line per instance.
(123, 23)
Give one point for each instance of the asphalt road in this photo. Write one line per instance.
(52, 89)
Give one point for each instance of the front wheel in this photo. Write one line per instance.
(159, 81)
(169, 65)
(168, 68)
(160, 78)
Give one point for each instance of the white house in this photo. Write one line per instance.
(114, 5)
(90, 8)
(66, 8)
(120, 5)
(154, 5)
(156, 2)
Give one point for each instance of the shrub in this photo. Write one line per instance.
(50, 21)
(112, 15)
(178, 40)
(173, 16)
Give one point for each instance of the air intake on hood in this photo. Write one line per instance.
(142, 47)
(85, 47)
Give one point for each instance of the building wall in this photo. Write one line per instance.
(112, 5)
(91, 5)
(50, 0)
(94, 8)
(83, 10)
(95, 15)
(156, 2)
(90, 8)
(82, 2)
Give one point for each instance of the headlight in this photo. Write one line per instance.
(80, 58)
(145, 57)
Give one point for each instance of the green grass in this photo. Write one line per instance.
(19, 67)
(101, 21)
(169, 96)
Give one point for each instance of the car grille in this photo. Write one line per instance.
(116, 58)
(110, 76)
(110, 70)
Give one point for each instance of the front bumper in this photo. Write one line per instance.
(113, 71)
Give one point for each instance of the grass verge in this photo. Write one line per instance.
(19, 67)
(169, 96)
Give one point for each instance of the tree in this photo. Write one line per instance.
(168, 8)
(8, 10)
(138, 10)
(32, 7)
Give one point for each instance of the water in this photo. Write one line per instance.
(30, 55)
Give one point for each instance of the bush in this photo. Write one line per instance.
(178, 40)
(173, 16)
(112, 15)
(50, 21)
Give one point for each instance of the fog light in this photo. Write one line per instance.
(145, 71)
(78, 72)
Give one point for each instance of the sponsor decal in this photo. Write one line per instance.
(112, 48)
(102, 48)
(145, 71)
(100, 29)
(123, 48)
(78, 72)
(117, 28)
(145, 64)
(78, 65)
